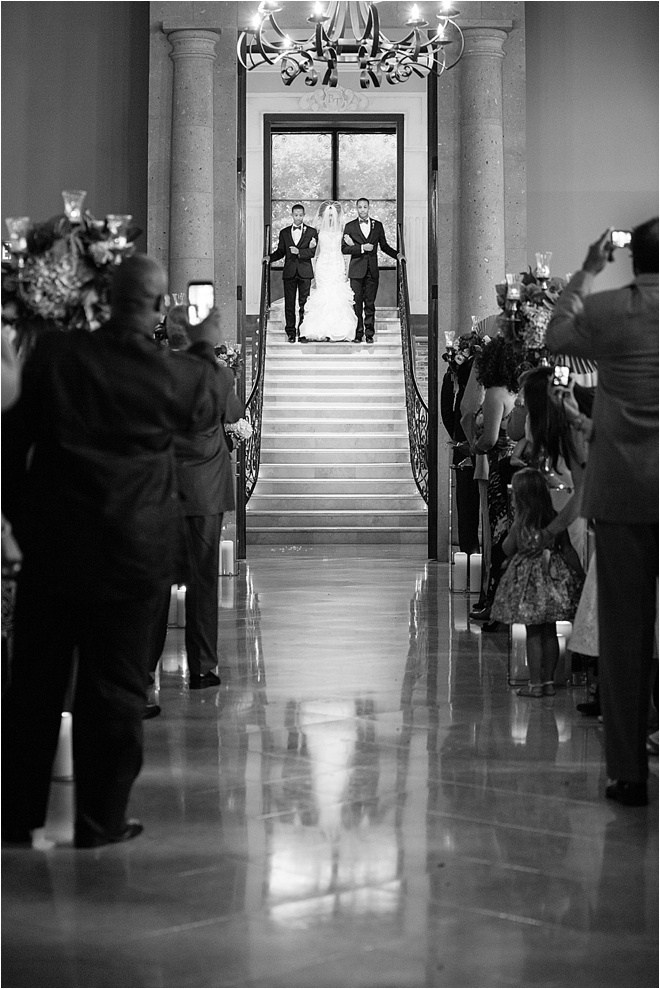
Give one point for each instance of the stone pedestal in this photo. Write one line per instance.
(482, 226)
(191, 185)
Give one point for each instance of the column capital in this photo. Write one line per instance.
(485, 37)
(191, 41)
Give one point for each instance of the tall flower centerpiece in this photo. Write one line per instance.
(528, 300)
(57, 274)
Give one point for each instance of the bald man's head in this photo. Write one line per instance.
(138, 286)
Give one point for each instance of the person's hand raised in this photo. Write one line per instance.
(208, 331)
(599, 253)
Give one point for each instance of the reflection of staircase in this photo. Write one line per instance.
(335, 465)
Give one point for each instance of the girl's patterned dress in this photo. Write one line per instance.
(537, 588)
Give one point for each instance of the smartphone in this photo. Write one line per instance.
(621, 238)
(201, 298)
(561, 376)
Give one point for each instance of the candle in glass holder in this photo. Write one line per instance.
(73, 204)
(181, 607)
(17, 227)
(518, 663)
(63, 762)
(227, 557)
(171, 614)
(459, 607)
(460, 572)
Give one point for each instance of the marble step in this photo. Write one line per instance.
(346, 519)
(304, 441)
(326, 535)
(341, 416)
(390, 471)
(334, 487)
(275, 451)
(328, 502)
(302, 364)
(389, 345)
(339, 397)
(332, 426)
(279, 379)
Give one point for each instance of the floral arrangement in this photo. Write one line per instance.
(527, 301)
(61, 273)
(230, 356)
(238, 431)
(457, 352)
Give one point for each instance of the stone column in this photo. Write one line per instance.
(191, 182)
(482, 242)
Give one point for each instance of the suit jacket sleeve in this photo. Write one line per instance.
(569, 331)
(280, 251)
(382, 242)
(447, 403)
(305, 253)
(354, 249)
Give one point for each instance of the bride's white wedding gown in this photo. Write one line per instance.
(329, 313)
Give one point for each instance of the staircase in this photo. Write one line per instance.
(335, 465)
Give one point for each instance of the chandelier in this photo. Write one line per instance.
(349, 33)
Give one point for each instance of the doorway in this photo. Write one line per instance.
(311, 159)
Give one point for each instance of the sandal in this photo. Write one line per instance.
(531, 690)
(548, 688)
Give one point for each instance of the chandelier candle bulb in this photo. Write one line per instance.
(460, 572)
(63, 762)
(475, 573)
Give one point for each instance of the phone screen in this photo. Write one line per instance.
(200, 301)
(562, 375)
(621, 238)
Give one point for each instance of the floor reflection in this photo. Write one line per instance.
(364, 801)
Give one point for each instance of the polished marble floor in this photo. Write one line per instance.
(363, 802)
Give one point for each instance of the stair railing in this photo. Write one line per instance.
(416, 408)
(254, 404)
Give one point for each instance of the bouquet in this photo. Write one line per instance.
(61, 278)
(457, 352)
(230, 356)
(238, 431)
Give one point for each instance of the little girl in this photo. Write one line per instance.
(540, 586)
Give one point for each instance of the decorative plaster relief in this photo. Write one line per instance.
(337, 100)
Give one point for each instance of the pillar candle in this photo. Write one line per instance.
(171, 615)
(63, 762)
(518, 665)
(227, 557)
(227, 593)
(181, 607)
(460, 572)
(475, 573)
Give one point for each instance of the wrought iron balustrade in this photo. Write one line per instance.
(416, 408)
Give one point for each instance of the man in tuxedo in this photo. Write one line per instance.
(297, 245)
(362, 238)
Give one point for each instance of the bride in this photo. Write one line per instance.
(329, 313)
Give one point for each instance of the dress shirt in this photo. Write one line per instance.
(296, 233)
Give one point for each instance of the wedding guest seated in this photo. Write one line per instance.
(619, 330)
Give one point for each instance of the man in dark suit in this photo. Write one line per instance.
(297, 245)
(206, 491)
(362, 238)
(95, 509)
(619, 330)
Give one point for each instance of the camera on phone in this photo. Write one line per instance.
(561, 376)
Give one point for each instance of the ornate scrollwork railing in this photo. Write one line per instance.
(255, 401)
(416, 408)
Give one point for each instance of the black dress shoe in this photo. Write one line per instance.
(630, 794)
(493, 626)
(291, 337)
(591, 709)
(150, 711)
(303, 340)
(197, 681)
(370, 339)
(357, 339)
(480, 614)
(87, 836)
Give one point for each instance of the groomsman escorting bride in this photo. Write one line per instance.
(340, 306)
(362, 238)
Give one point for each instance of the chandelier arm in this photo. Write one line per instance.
(460, 53)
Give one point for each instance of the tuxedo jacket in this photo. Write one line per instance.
(362, 263)
(296, 264)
